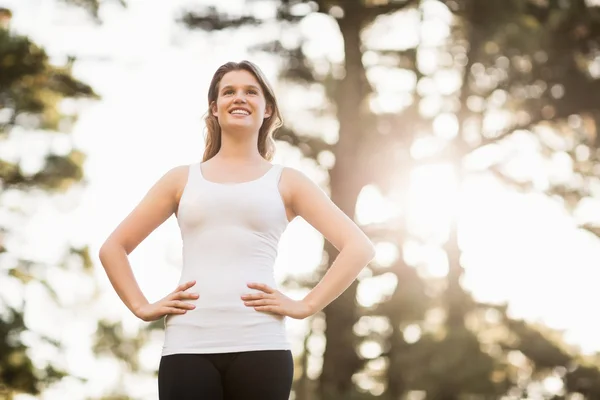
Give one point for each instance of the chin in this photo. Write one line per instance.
(240, 125)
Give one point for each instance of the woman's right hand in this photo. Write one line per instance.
(173, 303)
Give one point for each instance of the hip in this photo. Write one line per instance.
(212, 331)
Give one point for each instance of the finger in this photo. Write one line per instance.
(271, 309)
(184, 286)
(173, 310)
(256, 296)
(181, 304)
(184, 295)
(262, 287)
(254, 303)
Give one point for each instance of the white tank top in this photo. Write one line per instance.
(230, 234)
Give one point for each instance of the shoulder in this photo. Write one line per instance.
(293, 176)
(178, 172)
(295, 182)
(174, 180)
(175, 175)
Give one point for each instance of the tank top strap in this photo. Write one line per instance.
(194, 173)
(275, 173)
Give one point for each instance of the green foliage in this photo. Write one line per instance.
(16, 371)
(92, 7)
(31, 88)
(31, 92)
(111, 340)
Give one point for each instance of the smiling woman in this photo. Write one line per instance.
(232, 209)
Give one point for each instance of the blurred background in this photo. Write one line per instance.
(462, 135)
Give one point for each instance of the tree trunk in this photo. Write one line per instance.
(340, 360)
(456, 299)
(396, 383)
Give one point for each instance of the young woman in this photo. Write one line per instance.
(224, 324)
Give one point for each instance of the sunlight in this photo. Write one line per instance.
(323, 38)
(368, 324)
(553, 385)
(447, 81)
(372, 207)
(314, 366)
(445, 125)
(432, 201)
(386, 253)
(433, 33)
(496, 256)
(371, 291)
(370, 349)
(379, 36)
(431, 105)
(429, 259)
(367, 383)
(412, 333)
(426, 146)
(497, 120)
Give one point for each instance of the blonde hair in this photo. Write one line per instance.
(266, 144)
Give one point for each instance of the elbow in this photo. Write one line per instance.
(364, 249)
(108, 248)
(104, 252)
(370, 251)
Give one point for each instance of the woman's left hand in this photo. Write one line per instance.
(273, 301)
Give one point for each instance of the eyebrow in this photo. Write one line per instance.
(247, 86)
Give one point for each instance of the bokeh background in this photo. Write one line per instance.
(462, 135)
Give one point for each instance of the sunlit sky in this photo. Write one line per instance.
(153, 77)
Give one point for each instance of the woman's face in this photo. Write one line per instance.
(240, 102)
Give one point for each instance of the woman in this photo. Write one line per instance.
(224, 323)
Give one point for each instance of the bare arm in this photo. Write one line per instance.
(355, 249)
(307, 200)
(155, 208)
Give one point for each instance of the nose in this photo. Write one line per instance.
(239, 97)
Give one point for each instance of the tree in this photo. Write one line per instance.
(528, 59)
(31, 93)
(92, 7)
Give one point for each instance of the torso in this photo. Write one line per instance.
(231, 221)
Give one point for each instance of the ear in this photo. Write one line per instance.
(268, 110)
(213, 108)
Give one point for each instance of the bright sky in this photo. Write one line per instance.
(519, 248)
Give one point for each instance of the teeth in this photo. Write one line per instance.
(244, 112)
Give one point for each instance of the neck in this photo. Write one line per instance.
(239, 146)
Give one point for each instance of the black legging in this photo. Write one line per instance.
(261, 375)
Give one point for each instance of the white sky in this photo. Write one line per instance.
(518, 248)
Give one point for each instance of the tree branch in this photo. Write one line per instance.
(376, 10)
(522, 187)
(211, 19)
(310, 146)
(502, 134)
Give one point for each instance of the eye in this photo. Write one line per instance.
(252, 91)
(228, 91)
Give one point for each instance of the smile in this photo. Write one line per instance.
(239, 111)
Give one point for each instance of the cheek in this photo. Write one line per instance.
(260, 108)
(220, 108)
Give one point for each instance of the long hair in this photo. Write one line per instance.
(266, 144)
